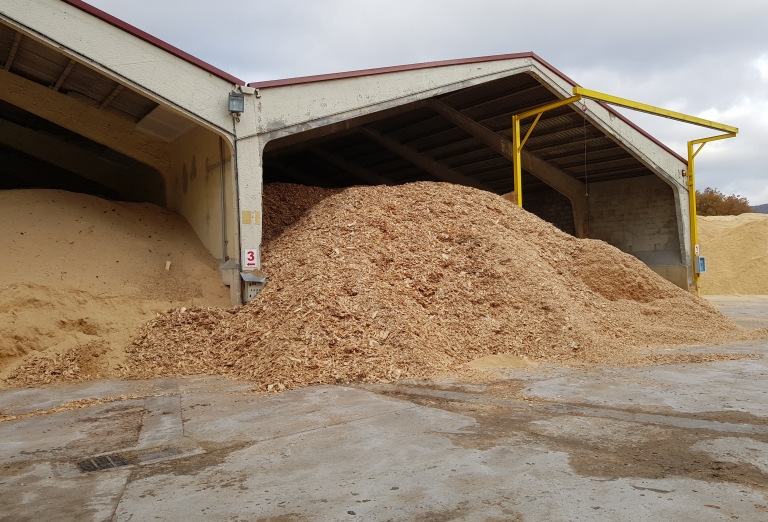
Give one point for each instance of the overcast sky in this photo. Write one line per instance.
(707, 58)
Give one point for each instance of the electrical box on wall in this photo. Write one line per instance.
(700, 264)
(253, 283)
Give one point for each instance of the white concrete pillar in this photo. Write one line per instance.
(684, 227)
(249, 176)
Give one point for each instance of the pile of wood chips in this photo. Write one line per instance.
(374, 284)
(83, 363)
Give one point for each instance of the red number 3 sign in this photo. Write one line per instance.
(250, 258)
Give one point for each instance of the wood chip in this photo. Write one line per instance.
(395, 305)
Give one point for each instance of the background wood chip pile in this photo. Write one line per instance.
(736, 248)
(381, 283)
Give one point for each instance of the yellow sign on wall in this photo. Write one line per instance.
(251, 217)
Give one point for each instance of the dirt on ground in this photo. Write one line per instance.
(79, 274)
(382, 283)
(736, 248)
(597, 446)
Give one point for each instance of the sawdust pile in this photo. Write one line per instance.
(78, 276)
(736, 248)
(382, 283)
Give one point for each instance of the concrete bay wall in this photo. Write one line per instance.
(551, 206)
(194, 188)
(639, 216)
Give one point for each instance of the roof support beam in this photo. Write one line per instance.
(594, 163)
(580, 153)
(280, 141)
(304, 145)
(614, 171)
(63, 75)
(573, 126)
(563, 143)
(112, 130)
(12, 54)
(135, 183)
(453, 141)
(502, 97)
(483, 163)
(38, 174)
(369, 176)
(424, 162)
(106, 101)
(478, 86)
(561, 181)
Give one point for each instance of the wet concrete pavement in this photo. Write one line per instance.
(682, 442)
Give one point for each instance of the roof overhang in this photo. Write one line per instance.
(157, 42)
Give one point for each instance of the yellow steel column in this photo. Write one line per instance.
(518, 144)
(690, 175)
(518, 167)
(691, 182)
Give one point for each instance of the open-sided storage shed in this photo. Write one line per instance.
(90, 100)
(591, 173)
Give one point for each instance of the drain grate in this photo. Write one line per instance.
(100, 463)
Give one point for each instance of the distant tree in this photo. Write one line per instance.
(712, 202)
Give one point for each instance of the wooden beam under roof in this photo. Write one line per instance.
(14, 50)
(63, 75)
(559, 180)
(106, 101)
(424, 162)
(596, 150)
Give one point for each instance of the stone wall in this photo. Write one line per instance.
(638, 216)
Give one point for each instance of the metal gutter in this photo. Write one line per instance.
(138, 33)
(385, 70)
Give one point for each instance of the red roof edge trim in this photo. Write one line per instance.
(611, 110)
(385, 70)
(138, 33)
(445, 63)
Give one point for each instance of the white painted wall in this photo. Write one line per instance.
(194, 188)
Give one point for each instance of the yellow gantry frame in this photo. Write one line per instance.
(578, 94)
(517, 145)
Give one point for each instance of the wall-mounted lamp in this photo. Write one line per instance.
(236, 103)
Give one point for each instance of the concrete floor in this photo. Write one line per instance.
(677, 442)
(750, 311)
